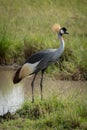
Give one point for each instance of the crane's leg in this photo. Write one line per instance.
(41, 85)
(32, 85)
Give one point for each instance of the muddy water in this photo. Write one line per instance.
(12, 96)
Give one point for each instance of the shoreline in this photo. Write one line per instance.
(60, 76)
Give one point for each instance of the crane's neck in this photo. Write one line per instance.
(62, 44)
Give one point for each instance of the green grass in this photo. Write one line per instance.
(69, 113)
(26, 27)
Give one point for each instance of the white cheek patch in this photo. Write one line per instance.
(62, 32)
(27, 68)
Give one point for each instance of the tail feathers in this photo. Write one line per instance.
(16, 78)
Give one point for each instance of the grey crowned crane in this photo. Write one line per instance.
(41, 60)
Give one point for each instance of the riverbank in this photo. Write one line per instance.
(63, 114)
(79, 74)
(64, 105)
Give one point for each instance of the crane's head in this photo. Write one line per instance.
(62, 31)
(57, 28)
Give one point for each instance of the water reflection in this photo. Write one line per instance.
(11, 96)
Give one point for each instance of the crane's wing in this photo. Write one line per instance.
(44, 63)
(50, 57)
(39, 56)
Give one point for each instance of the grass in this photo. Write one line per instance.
(64, 106)
(26, 28)
(69, 113)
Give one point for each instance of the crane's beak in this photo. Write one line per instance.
(66, 33)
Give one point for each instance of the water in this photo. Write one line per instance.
(12, 96)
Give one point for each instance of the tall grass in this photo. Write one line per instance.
(54, 113)
(5, 43)
(29, 23)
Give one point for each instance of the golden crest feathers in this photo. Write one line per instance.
(56, 28)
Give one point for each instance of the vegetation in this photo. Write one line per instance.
(51, 114)
(64, 107)
(25, 28)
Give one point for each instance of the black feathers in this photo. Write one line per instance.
(35, 58)
(16, 78)
(39, 56)
(64, 29)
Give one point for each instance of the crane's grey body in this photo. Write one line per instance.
(46, 57)
(39, 62)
